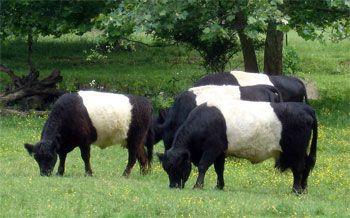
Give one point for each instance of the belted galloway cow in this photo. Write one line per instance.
(255, 131)
(89, 117)
(166, 127)
(292, 89)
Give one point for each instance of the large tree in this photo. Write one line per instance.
(31, 19)
(218, 29)
(200, 26)
(311, 20)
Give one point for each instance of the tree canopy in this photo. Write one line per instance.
(214, 28)
(217, 29)
(47, 17)
(27, 18)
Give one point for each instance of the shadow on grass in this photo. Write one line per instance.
(333, 111)
(68, 54)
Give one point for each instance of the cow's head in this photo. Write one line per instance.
(44, 152)
(177, 165)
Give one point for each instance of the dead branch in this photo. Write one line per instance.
(30, 86)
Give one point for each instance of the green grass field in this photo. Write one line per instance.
(251, 190)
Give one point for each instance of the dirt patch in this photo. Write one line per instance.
(311, 90)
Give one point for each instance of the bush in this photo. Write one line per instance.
(291, 60)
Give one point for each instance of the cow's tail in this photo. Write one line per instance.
(311, 158)
(276, 92)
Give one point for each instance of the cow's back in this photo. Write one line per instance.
(218, 79)
(110, 114)
(251, 79)
(215, 93)
(253, 130)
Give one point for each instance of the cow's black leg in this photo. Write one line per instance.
(304, 180)
(60, 170)
(131, 162)
(219, 166)
(85, 155)
(306, 173)
(297, 170)
(206, 161)
(136, 149)
(142, 157)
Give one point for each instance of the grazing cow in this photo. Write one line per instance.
(186, 101)
(89, 117)
(291, 88)
(252, 130)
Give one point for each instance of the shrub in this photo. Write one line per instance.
(291, 61)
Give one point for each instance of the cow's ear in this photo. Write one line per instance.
(30, 148)
(160, 157)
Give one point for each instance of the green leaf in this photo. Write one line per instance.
(206, 30)
(230, 18)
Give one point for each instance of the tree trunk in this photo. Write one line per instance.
(273, 50)
(249, 57)
(250, 62)
(30, 51)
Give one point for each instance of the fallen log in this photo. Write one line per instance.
(30, 89)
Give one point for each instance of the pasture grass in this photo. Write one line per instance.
(251, 190)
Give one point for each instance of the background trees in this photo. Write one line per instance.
(219, 29)
(216, 29)
(30, 19)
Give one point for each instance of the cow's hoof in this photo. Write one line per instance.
(297, 191)
(219, 187)
(59, 174)
(126, 175)
(88, 174)
(144, 172)
(304, 191)
(198, 186)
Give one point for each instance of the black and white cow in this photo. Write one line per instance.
(186, 101)
(291, 88)
(89, 117)
(252, 130)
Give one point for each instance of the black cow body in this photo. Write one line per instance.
(188, 100)
(71, 124)
(292, 89)
(215, 130)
